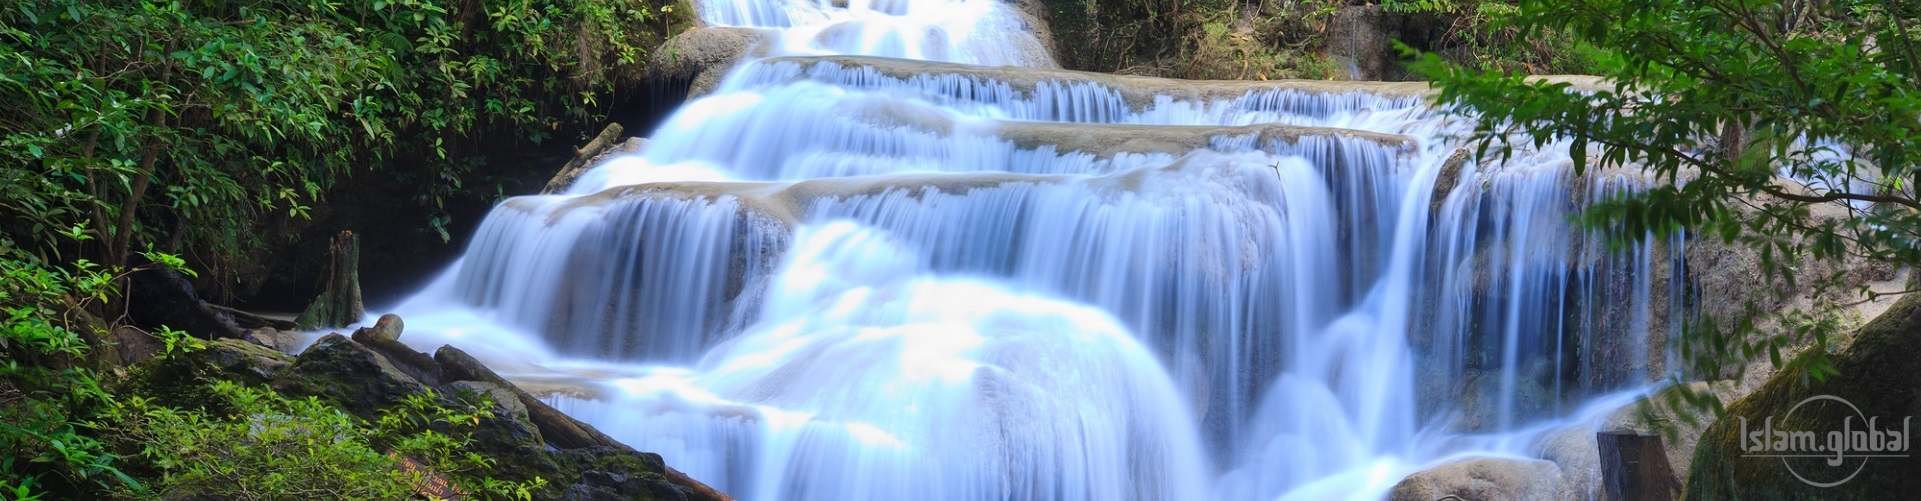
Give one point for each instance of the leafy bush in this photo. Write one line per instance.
(47, 397)
(272, 447)
(1231, 39)
(1206, 39)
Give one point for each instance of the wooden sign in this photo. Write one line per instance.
(431, 485)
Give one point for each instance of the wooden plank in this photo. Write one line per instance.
(1635, 467)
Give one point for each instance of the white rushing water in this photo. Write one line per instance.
(842, 279)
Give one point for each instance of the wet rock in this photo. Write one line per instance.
(1877, 377)
(507, 435)
(703, 55)
(1481, 479)
(278, 340)
(387, 328)
(581, 447)
(415, 364)
(608, 473)
(242, 361)
(352, 376)
(560, 430)
(1139, 92)
(1356, 36)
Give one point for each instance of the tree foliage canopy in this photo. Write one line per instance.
(1761, 116)
(188, 124)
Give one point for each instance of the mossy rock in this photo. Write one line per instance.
(349, 375)
(1878, 375)
(606, 473)
(508, 436)
(182, 378)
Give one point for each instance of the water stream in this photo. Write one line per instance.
(867, 278)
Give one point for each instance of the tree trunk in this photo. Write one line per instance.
(561, 180)
(339, 303)
(1635, 467)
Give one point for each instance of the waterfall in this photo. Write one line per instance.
(954, 272)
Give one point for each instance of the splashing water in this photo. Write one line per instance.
(867, 278)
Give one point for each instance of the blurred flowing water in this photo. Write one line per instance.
(866, 278)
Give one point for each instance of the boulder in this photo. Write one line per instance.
(507, 435)
(387, 328)
(181, 378)
(560, 430)
(702, 56)
(355, 378)
(582, 448)
(1877, 379)
(415, 364)
(1482, 479)
(135, 345)
(279, 340)
(603, 473)
(237, 360)
(158, 297)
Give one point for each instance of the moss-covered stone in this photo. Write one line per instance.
(508, 436)
(1878, 375)
(182, 378)
(605, 473)
(351, 376)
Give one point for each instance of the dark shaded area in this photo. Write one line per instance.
(400, 251)
(158, 296)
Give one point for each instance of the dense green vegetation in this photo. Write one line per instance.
(1315, 39)
(169, 427)
(1791, 128)
(192, 125)
(207, 128)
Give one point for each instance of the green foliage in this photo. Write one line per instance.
(1204, 39)
(121, 117)
(1227, 39)
(68, 436)
(1789, 128)
(47, 398)
(1484, 35)
(192, 125)
(1418, 6)
(271, 447)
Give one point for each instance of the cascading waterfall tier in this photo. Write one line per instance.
(852, 277)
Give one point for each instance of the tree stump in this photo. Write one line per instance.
(339, 302)
(1635, 467)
